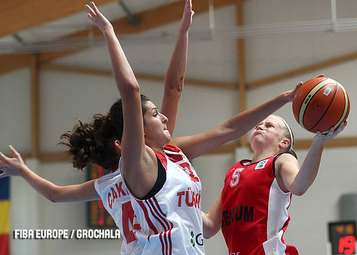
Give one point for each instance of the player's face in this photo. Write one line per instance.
(155, 127)
(268, 133)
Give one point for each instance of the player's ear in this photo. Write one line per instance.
(117, 145)
(285, 143)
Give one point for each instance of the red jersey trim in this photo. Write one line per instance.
(155, 210)
(147, 218)
(172, 148)
(162, 158)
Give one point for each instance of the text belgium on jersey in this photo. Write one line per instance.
(237, 213)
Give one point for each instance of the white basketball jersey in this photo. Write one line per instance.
(116, 200)
(171, 220)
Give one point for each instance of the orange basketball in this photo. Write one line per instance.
(321, 103)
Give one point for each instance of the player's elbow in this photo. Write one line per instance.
(53, 196)
(299, 191)
(208, 234)
(210, 230)
(229, 131)
(52, 199)
(130, 87)
(297, 188)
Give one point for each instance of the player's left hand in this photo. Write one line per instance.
(97, 17)
(331, 133)
(11, 166)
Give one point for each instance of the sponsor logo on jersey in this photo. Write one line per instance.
(261, 164)
(196, 239)
(237, 213)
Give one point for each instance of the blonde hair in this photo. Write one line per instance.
(288, 133)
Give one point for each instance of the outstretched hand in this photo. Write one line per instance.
(292, 93)
(97, 17)
(11, 166)
(331, 133)
(186, 20)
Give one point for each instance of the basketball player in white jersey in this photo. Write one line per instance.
(110, 188)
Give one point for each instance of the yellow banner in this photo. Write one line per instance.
(4, 217)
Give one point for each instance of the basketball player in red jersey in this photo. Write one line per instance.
(252, 209)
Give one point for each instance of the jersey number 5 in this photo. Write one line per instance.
(235, 177)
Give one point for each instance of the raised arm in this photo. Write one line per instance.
(238, 125)
(175, 75)
(139, 161)
(15, 166)
(297, 179)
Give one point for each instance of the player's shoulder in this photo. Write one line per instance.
(110, 177)
(284, 159)
(285, 156)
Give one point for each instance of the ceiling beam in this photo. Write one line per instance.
(149, 19)
(147, 77)
(9, 63)
(35, 108)
(303, 70)
(16, 16)
(304, 144)
(242, 90)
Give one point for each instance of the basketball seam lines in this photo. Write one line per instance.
(345, 110)
(328, 107)
(312, 92)
(304, 107)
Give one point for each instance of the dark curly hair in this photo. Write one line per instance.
(94, 142)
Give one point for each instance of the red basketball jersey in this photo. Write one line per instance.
(254, 210)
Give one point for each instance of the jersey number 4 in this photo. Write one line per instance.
(128, 223)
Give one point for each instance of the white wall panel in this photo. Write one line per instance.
(15, 102)
(65, 97)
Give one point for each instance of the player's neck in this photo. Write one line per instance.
(258, 156)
